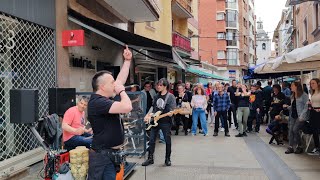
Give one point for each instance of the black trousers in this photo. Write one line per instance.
(315, 124)
(166, 129)
(254, 115)
(220, 114)
(181, 119)
(266, 111)
(233, 109)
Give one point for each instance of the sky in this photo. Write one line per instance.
(270, 13)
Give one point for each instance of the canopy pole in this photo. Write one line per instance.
(301, 76)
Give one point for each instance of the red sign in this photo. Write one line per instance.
(73, 38)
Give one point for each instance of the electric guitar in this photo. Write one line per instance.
(156, 117)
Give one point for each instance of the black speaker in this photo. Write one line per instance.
(24, 106)
(61, 99)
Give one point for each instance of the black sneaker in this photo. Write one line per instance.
(289, 150)
(239, 135)
(227, 135)
(298, 150)
(244, 134)
(315, 151)
(215, 134)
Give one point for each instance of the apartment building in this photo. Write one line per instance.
(227, 35)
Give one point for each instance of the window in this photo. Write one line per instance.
(232, 56)
(263, 46)
(245, 57)
(305, 29)
(221, 55)
(245, 40)
(232, 37)
(220, 16)
(221, 35)
(316, 17)
(232, 18)
(244, 22)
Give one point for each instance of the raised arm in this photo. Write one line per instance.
(124, 72)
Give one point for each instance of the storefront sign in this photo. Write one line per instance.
(73, 38)
(232, 74)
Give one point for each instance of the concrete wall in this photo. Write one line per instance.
(306, 11)
(162, 29)
(80, 78)
(208, 27)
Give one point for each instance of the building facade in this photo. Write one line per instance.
(226, 35)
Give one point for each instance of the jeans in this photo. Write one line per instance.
(199, 112)
(223, 115)
(233, 109)
(243, 114)
(161, 135)
(254, 115)
(166, 129)
(211, 115)
(76, 140)
(100, 166)
(294, 134)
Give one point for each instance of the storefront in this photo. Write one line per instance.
(27, 60)
(152, 60)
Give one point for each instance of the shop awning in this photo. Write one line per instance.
(135, 42)
(205, 74)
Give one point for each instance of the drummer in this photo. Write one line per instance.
(74, 126)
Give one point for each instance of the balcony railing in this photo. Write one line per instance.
(185, 4)
(181, 42)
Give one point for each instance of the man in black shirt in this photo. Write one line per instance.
(234, 103)
(107, 126)
(164, 102)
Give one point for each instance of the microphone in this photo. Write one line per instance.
(128, 88)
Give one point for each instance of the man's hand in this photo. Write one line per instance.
(118, 87)
(127, 54)
(215, 113)
(147, 118)
(88, 131)
(170, 114)
(79, 131)
(258, 110)
(285, 106)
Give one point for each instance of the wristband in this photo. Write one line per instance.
(121, 91)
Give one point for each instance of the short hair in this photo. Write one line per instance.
(277, 86)
(96, 79)
(164, 82)
(259, 83)
(227, 84)
(182, 85)
(147, 82)
(84, 98)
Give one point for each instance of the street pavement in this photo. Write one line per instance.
(222, 158)
(207, 158)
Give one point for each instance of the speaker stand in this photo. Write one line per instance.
(44, 145)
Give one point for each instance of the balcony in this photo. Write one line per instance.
(143, 10)
(181, 42)
(232, 4)
(232, 19)
(182, 8)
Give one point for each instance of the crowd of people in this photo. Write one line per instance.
(287, 109)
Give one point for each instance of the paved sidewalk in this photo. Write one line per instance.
(214, 158)
(207, 158)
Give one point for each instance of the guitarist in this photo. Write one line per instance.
(165, 102)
